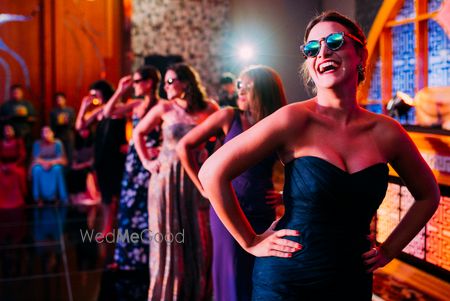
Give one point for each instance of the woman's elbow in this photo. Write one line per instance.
(436, 199)
(137, 133)
(205, 175)
(181, 148)
(432, 200)
(78, 126)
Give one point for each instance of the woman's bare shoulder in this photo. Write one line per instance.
(383, 123)
(296, 113)
(388, 131)
(212, 106)
(165, 105)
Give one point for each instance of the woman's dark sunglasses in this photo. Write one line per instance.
(170, 80)
(240, 85)
(333, 41)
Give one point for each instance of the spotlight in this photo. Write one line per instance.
(246, 53)
(399, 105)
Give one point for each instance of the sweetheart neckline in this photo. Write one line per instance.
(336, 167)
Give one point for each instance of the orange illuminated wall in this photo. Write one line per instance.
(379, 44)
(432, 244)
(65, 45)
(412, 19)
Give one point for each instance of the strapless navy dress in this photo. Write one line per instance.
(332, 209)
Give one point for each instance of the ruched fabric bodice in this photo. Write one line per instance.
(332, 209)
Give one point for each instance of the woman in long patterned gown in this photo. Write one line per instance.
(180, 239)
(132, 212)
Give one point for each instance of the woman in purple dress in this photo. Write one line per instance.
(260, 93)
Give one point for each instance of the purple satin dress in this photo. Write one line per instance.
(232, 266)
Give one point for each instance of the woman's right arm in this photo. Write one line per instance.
(150, 121)
(218, 121)
(82, 122)
(270, 134)
(36, 154)
(111, 106)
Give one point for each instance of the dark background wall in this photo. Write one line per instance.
(366, 11)
(275, 29)
(64, 34)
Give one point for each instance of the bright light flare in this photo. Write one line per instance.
(246, 52)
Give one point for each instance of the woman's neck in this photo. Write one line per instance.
(150, 100)
(337, 104)
(46, 141)
(181, 102)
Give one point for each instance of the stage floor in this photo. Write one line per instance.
(43, 257)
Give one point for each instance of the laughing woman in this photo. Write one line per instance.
(335, 155)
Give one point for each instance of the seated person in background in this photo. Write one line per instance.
(21, 114)
(13, 185)
(47, 168)
(228, 94)
(82, 184)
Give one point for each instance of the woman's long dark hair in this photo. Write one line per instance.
(152, 73)
(268, 91)
(103, 86)
(194, 92)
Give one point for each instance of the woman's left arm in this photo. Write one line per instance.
(234, 157)
(420, 181)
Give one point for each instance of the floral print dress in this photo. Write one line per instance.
(132, 213)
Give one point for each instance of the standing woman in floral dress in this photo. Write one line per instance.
(132, 212)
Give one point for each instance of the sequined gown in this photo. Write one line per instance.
(179, 234)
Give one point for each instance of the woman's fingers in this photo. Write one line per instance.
(287, 232)
(374, 259)
(371, 260)
(273, 243)
(286, 249)
(287, 243)
(371, 253)
(281, 247)
(279, 254)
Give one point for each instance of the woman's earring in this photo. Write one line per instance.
(361, 72)
(361, 69)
